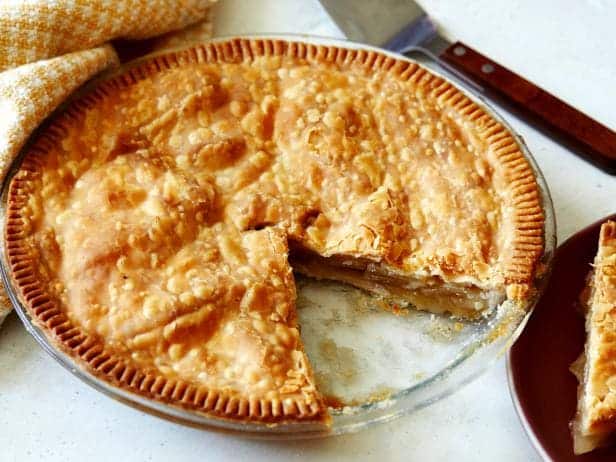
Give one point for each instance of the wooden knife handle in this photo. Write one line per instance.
(585, 136)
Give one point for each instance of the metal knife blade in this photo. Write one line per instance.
(397, 25)
(401, 26)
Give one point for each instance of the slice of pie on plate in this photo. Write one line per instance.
(595, 420)
(154, 224)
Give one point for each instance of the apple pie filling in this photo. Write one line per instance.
(428, 293)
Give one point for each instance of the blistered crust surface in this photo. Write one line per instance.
(148, 226)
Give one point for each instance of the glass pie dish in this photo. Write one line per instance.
(372, 361)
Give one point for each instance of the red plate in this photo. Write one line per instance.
(542, 387)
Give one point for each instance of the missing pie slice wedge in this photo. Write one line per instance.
(153, 225)
(595, 421)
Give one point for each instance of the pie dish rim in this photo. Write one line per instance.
(544, 202)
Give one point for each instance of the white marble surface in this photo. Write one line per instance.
(567, 46)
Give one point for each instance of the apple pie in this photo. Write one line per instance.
(595, 421)
(155, 223)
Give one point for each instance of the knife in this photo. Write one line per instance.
(402, 26)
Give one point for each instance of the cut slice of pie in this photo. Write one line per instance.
(149, 224)
(595, 420)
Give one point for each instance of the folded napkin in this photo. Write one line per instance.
(48, 48)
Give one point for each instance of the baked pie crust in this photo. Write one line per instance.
(150, 224)
(595, 421)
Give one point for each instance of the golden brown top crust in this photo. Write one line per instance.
(601, 348)
(157, 210)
